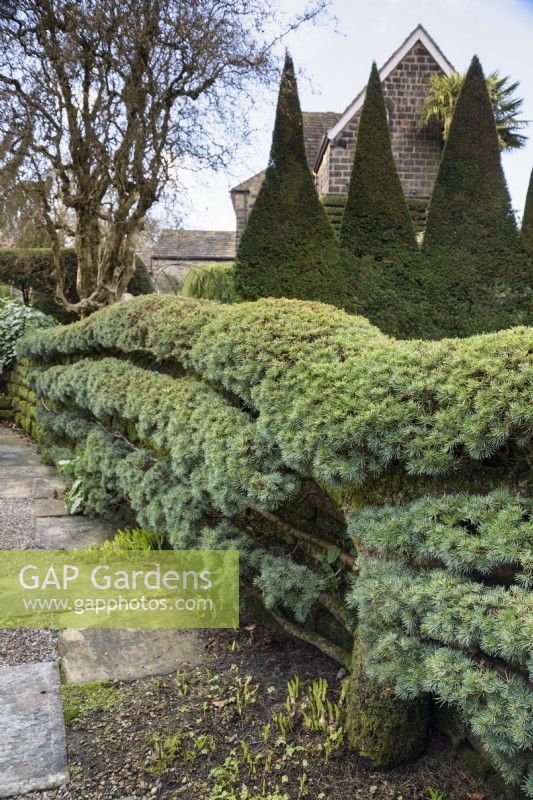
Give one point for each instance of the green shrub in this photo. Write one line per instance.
(376, 218)
(140, 282)
(133, 540)
(184, 421)
(16, 320)
(288, 248)
(526, 233)
(477, 278)
(341, 401)
(211, 281)
(446, 631)
(426, 444)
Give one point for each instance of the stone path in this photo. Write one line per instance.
(33, 752)
(32, 746)
(32, 743)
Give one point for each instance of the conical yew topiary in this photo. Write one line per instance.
(477, 275)
(377, 238)
(289, 248)
(376, 218)
(526, 233)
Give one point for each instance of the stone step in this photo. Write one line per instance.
(30, 486)
(32, 744)
(103, 654)
(70, 533)
(49, 507)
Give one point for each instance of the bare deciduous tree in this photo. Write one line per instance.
(101, 99)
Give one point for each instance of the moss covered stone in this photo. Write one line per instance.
(289, 248)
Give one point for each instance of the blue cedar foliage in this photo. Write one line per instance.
(174, 503)
(435, 630)
(341, 401)
(265, 388)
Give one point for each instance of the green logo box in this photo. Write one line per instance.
(123, 589)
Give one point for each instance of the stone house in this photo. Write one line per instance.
(330, 139)
(178, 251)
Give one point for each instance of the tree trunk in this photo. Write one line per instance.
(87, 252)
(382, 728)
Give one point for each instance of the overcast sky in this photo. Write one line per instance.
(335, 65)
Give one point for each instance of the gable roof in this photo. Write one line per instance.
(316, 125)
(248, 184)
(419, 34)
(182, 245)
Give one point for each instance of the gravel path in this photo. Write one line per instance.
(17, 532)
(17, 525)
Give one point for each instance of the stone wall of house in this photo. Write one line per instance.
(243, 198)
(417, 153)
(322, 176)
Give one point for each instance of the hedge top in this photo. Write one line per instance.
(341, 400)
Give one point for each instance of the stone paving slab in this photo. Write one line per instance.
(100, 654)
(15, 451)
(70, 533)
(30, 471)
(32, 742)
(30, 487)
(49, 507)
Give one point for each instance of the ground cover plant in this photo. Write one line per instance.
(249, 722)
(262, 426)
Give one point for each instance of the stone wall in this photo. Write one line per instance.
(243, 198)
(322, 175)
(168, 275)
(416, 153)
